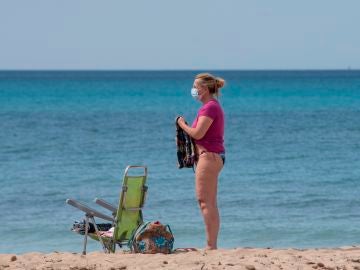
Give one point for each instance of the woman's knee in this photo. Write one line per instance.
(206, 204)
(206, 194)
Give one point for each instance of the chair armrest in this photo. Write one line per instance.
(106, 205)
(89, 211)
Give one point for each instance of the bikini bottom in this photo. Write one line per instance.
(222, 155)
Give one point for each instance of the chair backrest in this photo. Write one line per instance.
(132, 198)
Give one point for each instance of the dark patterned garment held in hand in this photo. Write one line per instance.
(185, 148)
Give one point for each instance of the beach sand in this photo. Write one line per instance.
(240, 258)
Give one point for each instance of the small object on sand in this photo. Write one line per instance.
(13, 258)
(184, 249)
(165, 262)
(320, 264)
(250, 267)
(118, 268)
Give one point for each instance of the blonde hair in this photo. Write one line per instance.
(211, 82)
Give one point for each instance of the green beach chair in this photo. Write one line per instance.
(125, 218)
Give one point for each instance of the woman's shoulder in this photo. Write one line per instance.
(211, 108)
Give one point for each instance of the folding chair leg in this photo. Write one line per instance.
(99, 236)
(86, 234)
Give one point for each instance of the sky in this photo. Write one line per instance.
(178, 35)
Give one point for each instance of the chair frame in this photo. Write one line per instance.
(109, 244)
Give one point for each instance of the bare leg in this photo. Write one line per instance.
(206, 177)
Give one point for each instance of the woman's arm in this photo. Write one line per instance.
(203, 124)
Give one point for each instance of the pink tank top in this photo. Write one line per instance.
(213, 141)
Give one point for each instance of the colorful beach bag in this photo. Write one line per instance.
(151, 238)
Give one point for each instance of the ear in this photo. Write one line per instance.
(206, 88)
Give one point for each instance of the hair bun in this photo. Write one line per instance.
(220, 82)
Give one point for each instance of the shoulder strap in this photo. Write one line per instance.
(139, 230)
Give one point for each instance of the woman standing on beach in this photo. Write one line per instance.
(207, 131)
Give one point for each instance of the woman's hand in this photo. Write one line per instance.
(181, 121)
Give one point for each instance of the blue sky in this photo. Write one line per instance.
(186, 34)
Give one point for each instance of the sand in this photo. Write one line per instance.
(240, 258)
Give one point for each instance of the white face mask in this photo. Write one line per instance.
(195, 93)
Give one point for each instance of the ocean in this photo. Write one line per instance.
(292, 171)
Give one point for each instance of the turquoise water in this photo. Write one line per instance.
(292, 169)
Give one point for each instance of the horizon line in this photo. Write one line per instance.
(170, 70)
